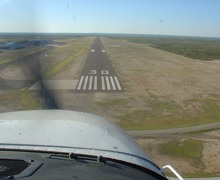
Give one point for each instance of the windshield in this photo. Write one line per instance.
(151, 67)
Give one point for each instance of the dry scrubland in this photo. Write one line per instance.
(161, 90)
(192, 155)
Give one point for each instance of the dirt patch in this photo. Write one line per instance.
(151, 147)
(210, 155)
(211, 152)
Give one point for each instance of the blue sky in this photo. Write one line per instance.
(167, 17)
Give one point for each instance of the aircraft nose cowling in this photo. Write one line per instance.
(70, 131)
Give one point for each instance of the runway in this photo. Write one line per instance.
(98, 73)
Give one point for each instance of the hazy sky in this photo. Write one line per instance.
(169, 17)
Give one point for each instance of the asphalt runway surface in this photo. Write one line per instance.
(98, 73)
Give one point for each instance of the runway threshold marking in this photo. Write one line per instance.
(95, 83)
(90, 82)
(118, 84)
(107, 83)
(80, 83)
(113, 84)
(103, 83)
(85, 84)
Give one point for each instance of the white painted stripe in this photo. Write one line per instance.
(103, 83)
(95, 83)
(90, 82)
(117, 82)
(80, 83)
(113, 83)
(85, 83)
(107, 82)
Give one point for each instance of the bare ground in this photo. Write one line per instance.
(210, 154)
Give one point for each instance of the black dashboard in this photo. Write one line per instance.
(39, 165)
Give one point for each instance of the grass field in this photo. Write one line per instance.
(193, 47)
(157, 114)
(187, 150)
(29, 101)
(184, 149)
(189, 154)
(165, 115)
(60, 66)
(65, 55)
(19, 53)
(162, 90)
(19, 100)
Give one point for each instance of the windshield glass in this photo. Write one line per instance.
(151, 67)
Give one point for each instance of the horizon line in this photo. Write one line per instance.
(107, 33)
